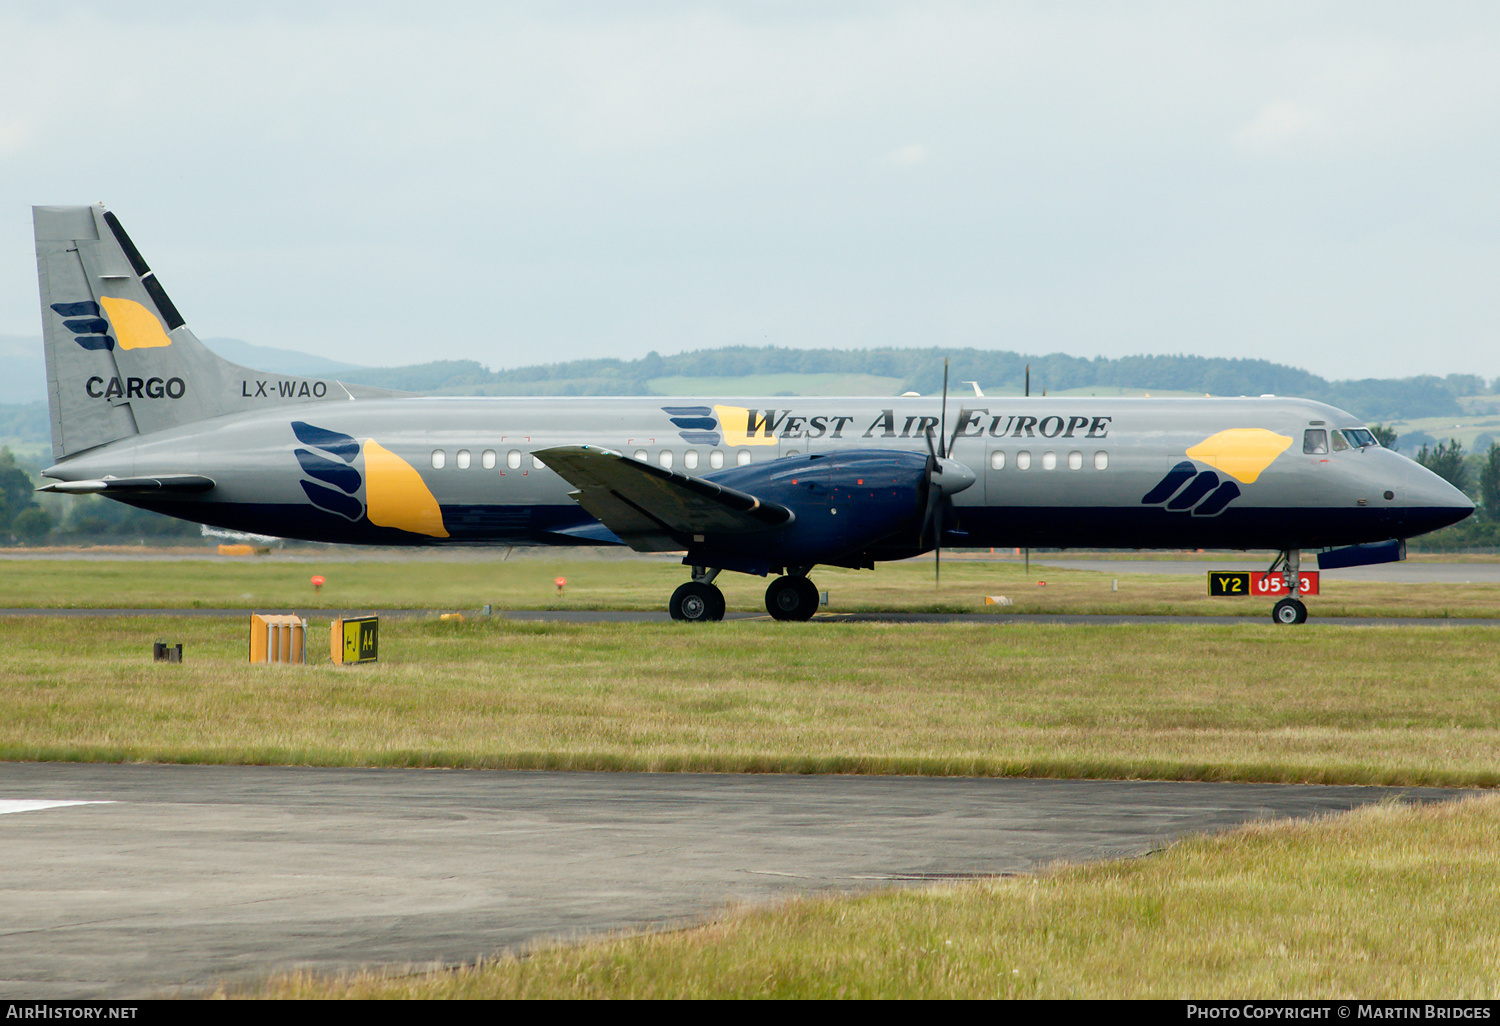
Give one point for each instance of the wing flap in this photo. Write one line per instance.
(653, 509)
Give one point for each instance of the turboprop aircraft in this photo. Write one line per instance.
(143, 413)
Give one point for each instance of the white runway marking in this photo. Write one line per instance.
(31, 805)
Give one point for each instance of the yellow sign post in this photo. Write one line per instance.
(355, 639)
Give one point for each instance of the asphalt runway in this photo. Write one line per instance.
(174, 879)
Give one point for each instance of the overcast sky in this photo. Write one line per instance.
(386, 183)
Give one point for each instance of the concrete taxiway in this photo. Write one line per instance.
(130, 881)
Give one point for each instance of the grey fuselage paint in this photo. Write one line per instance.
(1089, 462)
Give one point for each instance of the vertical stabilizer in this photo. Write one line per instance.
(120, 360)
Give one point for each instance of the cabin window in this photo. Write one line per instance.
(997, 460)
(1075, 460)
(439, 458)
(1101, 461)
(665, 459)
(690, 459)
(643, 455)
(1049, 461)
(743, 458)
(488, 459)
(716, 459)
(462, 459)
(513, 459)
(790, 452)
(1023, 460)
(537, 464)
(1315, 441)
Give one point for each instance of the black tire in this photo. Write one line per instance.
(1289, 611)
(792, 598)
(696, 602)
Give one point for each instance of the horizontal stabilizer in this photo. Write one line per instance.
(159, 483)
(653, 509)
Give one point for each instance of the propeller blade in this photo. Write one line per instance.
(943, 427)
(937, 550)
(953, 438)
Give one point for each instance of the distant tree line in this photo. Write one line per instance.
(22, 519)
(25, 520)
(921, 370)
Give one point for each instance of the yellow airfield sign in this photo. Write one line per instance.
(355, 639)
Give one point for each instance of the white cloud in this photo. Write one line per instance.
(1275, 125)
(912, 153)
(15, 133)
(607, 179)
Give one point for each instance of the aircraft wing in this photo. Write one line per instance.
(653, 509)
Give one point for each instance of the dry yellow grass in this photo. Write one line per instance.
(1357, 705)
(1384, 903)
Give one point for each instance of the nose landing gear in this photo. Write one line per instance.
(1289, 610)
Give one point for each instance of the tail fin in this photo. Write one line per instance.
(120, 360)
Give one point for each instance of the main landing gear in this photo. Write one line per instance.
(792, 597)
(1288, 610)
(699, 600)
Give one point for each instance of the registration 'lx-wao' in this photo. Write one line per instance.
(143, 413)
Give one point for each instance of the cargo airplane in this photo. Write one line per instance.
(143, 413)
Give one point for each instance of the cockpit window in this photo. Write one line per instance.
(1361, 438)
(1315, 441)
(1339, 445)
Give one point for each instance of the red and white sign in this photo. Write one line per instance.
(1274, 584)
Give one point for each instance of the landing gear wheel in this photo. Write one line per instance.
(697, 602)
(792, 598)
(1289, 611)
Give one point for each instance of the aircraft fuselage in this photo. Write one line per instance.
(1054, 472)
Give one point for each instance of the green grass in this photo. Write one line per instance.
(1387, 903)
(598, 581)
(1339, 705)
(1384, 903)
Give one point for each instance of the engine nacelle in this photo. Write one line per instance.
(845, 503)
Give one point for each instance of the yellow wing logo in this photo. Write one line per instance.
(135, 326)
(1242, 453)
(396, 495)
(744, 427)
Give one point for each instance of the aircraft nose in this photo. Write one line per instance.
(1430, 502)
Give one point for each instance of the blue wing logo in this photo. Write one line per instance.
(1185, 489)
(329, 461)
(696, 424)
(90, 329)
